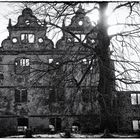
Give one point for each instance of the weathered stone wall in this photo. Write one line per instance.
(126, 111)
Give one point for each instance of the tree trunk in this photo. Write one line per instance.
(106, 81)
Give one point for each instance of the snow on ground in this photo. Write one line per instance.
(73, 136)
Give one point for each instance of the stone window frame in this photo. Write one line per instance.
(21, 95)
(20, 64)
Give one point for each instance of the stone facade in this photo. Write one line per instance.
(37, 87)
(38, 81)
(128, 111)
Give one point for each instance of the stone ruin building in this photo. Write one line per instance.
(36, 90)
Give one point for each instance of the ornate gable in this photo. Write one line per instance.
(76, 33)
(27, 21)
(80, 23)
(28, 34)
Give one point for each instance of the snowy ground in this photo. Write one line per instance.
(73, 136)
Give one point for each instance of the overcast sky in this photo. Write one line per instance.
(6, 11)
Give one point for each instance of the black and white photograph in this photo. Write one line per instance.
(69, 69)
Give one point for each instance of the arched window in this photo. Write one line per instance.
(22, 65)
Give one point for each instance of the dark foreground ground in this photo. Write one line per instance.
(60, 135)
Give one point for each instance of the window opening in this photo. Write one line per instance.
(20, 95)
(22, 124)
(27, 38)
(1, 76)
(85, 95)
(56, 123)
(31, 38)
(75, 39)
(80, 23)
(27, 22)
(14, 40)
(24, 62)
(138, 98)
(50, 61)
(57, 63)
(136, 125)
(135, 99)
(75, 127)
(56, 94)
(22, 65)
(52, 95)
(81, 37)
(40, 40)
(0, 59)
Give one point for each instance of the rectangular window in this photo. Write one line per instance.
(138, 98)
(1, 76)
(50, 61)
(136, 125)
(56, 95)
(24, 38)
(24, 95)
(85, 95)
(52, 95)
(27, 38)
(85, 61)
(24, 62)
(31, 38)
(135, 99)
(22, 66)
(17, 95)
(60, 94)
(20, 95)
